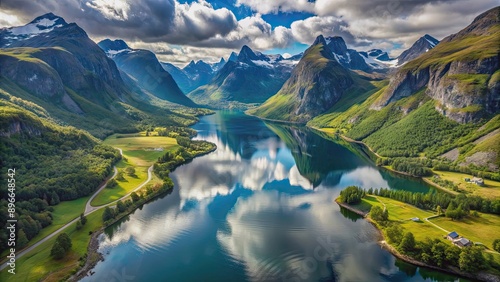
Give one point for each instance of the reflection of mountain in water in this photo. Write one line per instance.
(240, 134)
(316, 157)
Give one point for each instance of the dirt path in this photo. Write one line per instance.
(88, 210)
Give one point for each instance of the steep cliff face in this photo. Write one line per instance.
(348, 58)
(316, 84)
(37, 76)
(459, 72)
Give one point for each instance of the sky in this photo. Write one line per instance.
(179, 31)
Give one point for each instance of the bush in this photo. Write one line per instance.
(112, 183)
(378, 214)
(134, 196)
(407, 244)
(121, 206)
(130, 171)
(108, 214)
(496, 245)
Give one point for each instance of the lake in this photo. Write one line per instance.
(259, 208)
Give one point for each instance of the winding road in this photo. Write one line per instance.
(88, 210)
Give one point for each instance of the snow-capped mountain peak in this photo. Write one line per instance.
(40, 25)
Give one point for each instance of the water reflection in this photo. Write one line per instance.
(260, 208)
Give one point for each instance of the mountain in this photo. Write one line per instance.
(193, 75)
(200, 73)
(251, 77)
(378, 59)
(180, 77)
(80, 63)
(348, 58)
(54, 65)
(461, 72)
(315, 85)
(145, 69)
(421, 46)
(442, 106)
(217, 66)
(233, 57)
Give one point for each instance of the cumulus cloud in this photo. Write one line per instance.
(211, 32)
(267, 7)
(148, 20)
(259, 34)
(361, 22)
(305, 31)
(113, 10)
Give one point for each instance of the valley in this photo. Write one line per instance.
(136, 156)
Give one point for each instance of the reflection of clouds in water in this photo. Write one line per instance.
(218, 172)
(297, 244)
(366, 177)
(150, 233)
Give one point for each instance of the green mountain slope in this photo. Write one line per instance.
(145, 69)
(52, 163)
(316, 84)
(461, 72)
(444, 105)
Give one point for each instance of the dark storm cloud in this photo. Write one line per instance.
(149, 20)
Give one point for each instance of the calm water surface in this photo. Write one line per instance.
(260, 208)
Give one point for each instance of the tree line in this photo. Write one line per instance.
(432, 200)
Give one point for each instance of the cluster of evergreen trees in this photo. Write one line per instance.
(432, 200)
(352, 195)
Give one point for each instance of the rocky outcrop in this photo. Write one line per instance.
(421, 46)
(463, 83)
(20, 124)
(348, 58)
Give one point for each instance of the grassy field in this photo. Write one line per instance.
(490, 190)
(402, 213)
(29, 268)
(140, 149)
(483, 229)
(139, 152)
(125, 186)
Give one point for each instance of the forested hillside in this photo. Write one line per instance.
(52, 163)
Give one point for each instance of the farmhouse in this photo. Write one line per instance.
(476, 180)
(462, 242)
(452, 236)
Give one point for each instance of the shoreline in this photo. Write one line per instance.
(482, 276)
(427, 181)
(93, 254)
